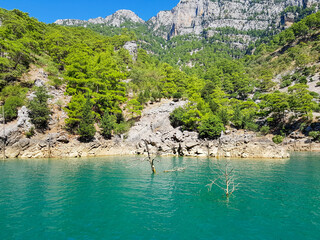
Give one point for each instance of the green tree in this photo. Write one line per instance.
(134, 107)
(39, 111)
(277, 103)
(300, 99)
(108, 123)
(11, 107)
(210, 127)
(87, 129)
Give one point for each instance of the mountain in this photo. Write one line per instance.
(195, 16)
(114, 20)
(94, 82)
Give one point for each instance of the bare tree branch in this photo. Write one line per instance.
(149, 158)
(225, 180)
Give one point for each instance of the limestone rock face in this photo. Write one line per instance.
(132, 47)
(122, 16)
(193, 16)
(115, 19)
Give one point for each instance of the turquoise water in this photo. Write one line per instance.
(114, 198)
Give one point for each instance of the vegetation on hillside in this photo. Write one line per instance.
(224, 86)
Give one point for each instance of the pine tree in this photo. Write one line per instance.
(87, 129)
(39, 110)
(107, 125)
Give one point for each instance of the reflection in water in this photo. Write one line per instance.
(103, 198)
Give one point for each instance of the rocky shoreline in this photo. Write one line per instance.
(154, 128)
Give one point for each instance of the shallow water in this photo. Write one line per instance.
(116, 198)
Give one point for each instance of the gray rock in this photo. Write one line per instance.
(63, 139)
(24, 119)
(190, 145)
(114, 20)
(43, 144)
(94, 145)
(132, 47)
(39, 83)
(23, 143)
(178, 136)
(193, 16)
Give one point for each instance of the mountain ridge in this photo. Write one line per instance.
(115, 20)
(195, 16)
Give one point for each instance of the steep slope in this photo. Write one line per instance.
(193, 16)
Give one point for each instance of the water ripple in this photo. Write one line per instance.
(109, 198)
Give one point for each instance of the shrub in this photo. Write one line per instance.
(39, 110)
(108, 123)
(315, 135)
(177, 95)
(285, 83)
(87, 129)
(11, 107)
(265, 130)
(134, 107)
(122, 127)
(303, 80)
(277, 139)
(211, 127)
(55, 81)
(30, 133)
(176, 117)
(251, 126)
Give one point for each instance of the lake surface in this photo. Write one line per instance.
(118, 198)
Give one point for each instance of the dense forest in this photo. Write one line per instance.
(261, 87)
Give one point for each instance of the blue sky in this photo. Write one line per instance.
(50, 10)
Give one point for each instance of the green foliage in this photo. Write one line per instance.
(14, 97)
(300, 99)
(176, 117)
(276, 103)
(315, 135)
(122, 127)
(11, 107)
(265, 130)
(87, 129)
(277, 139)
(134, 107)
(107, 125)
(39, 111)
(30, 133)
(186, 118)
(74, 110)
(211, 127)
(205, 69)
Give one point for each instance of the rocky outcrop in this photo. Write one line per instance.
(114, 20)
(193, 16)
(154, 127)
(132, 48)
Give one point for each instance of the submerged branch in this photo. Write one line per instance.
(181, 169)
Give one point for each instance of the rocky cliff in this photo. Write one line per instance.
(194, 16)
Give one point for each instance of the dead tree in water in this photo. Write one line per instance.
(4, 133)
(150, 159)
(225, 180)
